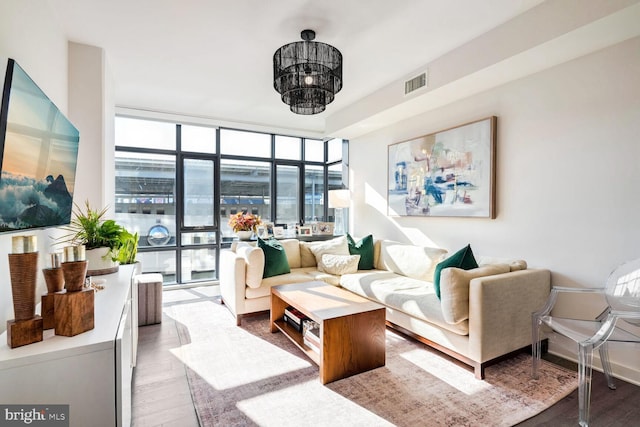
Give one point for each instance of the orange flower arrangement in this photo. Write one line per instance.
(244, 222)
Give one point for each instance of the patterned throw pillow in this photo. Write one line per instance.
(337, 246)
(339, 264)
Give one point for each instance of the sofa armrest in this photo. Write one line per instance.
(500, 308)
(232, 279)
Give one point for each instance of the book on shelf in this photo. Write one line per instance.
(312, 345)
(294, 315)
(293, 323)
(311, 332)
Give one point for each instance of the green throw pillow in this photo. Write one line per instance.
(364, 248)
(275, 258)
(462, 259)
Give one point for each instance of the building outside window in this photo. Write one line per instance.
(245, 186)
(177, 184)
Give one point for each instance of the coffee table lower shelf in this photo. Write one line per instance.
(296, 338)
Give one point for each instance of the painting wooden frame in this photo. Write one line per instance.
(450, 173)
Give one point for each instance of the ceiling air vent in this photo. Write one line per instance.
(415, 83)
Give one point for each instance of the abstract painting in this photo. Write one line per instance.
(450, 173)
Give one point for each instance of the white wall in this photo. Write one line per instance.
(92, 110)
(30, 35)
(80, 85)
(568, 149)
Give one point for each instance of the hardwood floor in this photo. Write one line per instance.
(161, 394)
(609, 408)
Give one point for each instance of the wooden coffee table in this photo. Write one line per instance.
(352, 328)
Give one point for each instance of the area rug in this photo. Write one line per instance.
(248, 376)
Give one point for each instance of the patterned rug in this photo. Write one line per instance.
(248, 376)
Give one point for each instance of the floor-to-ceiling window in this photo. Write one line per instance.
(177, 184)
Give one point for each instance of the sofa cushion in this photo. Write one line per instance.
(275, 258)
(337, 246)
(417, 262)
(514, 264)
(462, 259)
(339, 264)
(327, 278)
(364, 248)
(254, 259)
(400, 293)
(307, 259)
(376, 253)
(292, 249)
(454, 287)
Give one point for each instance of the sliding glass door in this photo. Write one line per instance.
(198, 232)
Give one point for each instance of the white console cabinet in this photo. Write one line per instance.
(91, 372)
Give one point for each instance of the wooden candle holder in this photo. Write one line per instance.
(47, 310)
(23, 332)
(74, 272)
(54, 278)
(23, 270)
(74, 312)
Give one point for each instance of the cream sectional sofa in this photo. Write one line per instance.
(483, 314)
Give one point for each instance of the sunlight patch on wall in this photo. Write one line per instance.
(379, 202)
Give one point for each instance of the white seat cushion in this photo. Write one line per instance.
(414, 297)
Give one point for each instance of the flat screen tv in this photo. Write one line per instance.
(38, 156)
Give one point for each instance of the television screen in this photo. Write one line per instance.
(38, 156)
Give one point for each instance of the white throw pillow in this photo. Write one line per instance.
(337, 246)
(339, 264)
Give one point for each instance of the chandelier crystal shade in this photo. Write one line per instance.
(307, 74)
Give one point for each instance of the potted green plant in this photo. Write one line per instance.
(128, 249)
(106, 242)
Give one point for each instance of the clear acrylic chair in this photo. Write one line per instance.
(615, 324)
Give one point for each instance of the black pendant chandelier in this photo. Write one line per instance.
(307, 74)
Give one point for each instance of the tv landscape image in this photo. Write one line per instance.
(38, 157)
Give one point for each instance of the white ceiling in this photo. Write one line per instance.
(213, 58)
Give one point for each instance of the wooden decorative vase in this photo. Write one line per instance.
(23, 270)
(74, 273)
(54, 278)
